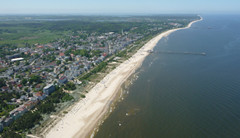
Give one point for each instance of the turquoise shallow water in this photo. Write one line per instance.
(179, 95)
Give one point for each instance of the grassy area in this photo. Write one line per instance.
(28, 35)
(102, 66)
(20, 31)
(3, 69)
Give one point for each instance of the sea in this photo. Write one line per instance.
(180, 95)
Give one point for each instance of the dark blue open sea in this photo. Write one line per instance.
(185, 96)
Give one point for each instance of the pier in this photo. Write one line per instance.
(177, 52)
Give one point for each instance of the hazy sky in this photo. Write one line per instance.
(118, 6)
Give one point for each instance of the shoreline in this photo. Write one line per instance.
(86, 114)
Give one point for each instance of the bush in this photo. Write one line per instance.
(83, 96)
(27, 121)
(70, 86)
(67, 97)
(10, 134)
(35, 78)
(2, 83)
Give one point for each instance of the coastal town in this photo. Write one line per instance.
(119, 69)
(30, 74)
(53, 64)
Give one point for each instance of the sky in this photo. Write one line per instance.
(118, 6)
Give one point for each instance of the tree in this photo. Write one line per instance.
(27, 63)
(67, 97)
(27, 121)
(10, 134)
(17, 63)
(2, 83)
(96, 53)
(70, 86)
(58, 62)
(46, 108)
(26, 89)
(35, 78)
(24, 81)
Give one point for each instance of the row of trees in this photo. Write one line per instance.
(5, 108)
(70, 86)
(35, 78)
(83, 52)
(100, 67)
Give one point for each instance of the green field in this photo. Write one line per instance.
(19, 30)
(19, 36)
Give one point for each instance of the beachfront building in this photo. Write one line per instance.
(8, 121)
(63, 80)
(49, 89)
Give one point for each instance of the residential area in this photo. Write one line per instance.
(32, 73)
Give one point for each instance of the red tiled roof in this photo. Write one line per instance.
(19, 85)
(39, 94)
(38, 86)
(61, 54)
(104, 54)
(63, 77)
(29, 104)
(5, 87)
(53, 63)
(20, 108)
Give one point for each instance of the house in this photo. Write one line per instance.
(61, 54)
(104, 54)
(18, 112)
(1, 124)
(38, 87)
(14, 114)
(40, 95)
(9, 72)
(13, 99)
(21, 110)
(1, 127)
(19, 86)
(39, 46)
(23, 98)
(5, 88)
(49, 89)
(63, 80)
(29, 105)
(8, 121)
(34, 99)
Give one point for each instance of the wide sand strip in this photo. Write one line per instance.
(85, 115)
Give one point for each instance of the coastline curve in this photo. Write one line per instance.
(86, 114)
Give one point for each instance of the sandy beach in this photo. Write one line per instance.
(85, 115)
